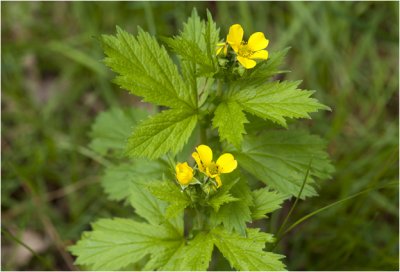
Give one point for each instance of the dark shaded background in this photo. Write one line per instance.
(54, 84)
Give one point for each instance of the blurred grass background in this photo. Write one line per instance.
(54, 84)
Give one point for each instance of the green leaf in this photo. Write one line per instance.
(117, 179)
(193, 48)
(145, 69)
(111, 129)
(256, 125)
(151, 208)
(220, 199)
(171, 193)
(229, 118)
(196, 49)
(263, 70)
(266, 201)
(159, 260)
(278, 100)
(223, 196)
(234, 215)
(197, 43)
(116, 243)
(128, 241)
(211, 37)
(281, 158)
(193, 256)
(246, 253)
(193, 30)
(166, 131)
(190, 51)
(204, 87)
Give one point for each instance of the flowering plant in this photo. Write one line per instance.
(221, 98)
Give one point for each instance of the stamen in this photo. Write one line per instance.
(245, 51)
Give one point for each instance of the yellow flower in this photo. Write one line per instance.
(247, 52)
(184, 173)
(222, 47)
(225, 163)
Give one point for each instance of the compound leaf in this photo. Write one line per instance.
(246, 253)
(166, 131)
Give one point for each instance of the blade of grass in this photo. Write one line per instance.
(48, 225)
(295, 203)
(79, 57)
(148, 10)
(334, 204)
(7, 233)
(85, 152)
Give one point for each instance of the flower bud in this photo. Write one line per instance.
(184, 173)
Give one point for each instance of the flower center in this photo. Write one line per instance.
(213, 168)
(244, 50)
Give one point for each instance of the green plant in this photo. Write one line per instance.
(220, 99)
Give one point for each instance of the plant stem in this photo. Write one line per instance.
(203, 134)
(199, 223)
(219, 88)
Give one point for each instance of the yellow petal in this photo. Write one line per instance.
(247, 63)
(226, 163)
(235, 36)
(183, 168)
(205, 155)
(200, 165)
(262, 54)
(218, 180)
(184, 173)
(257, 41)
(222, 47)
